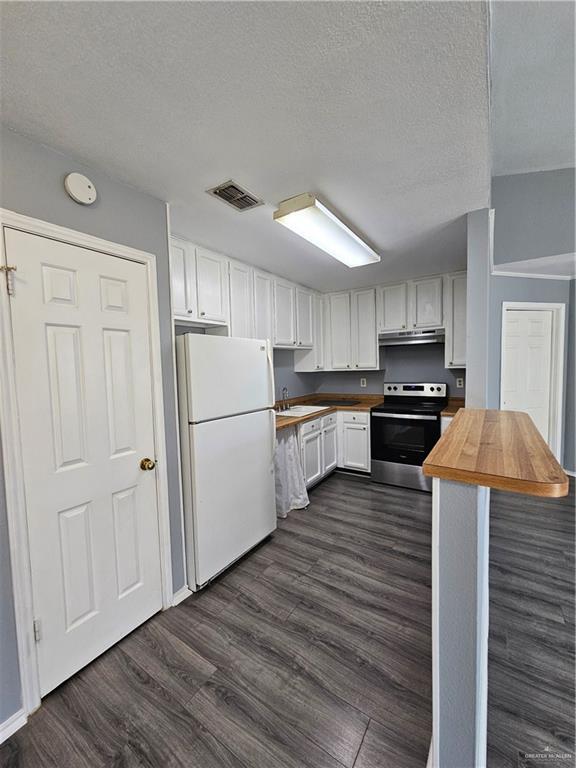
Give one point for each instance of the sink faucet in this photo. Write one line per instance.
(284, 398)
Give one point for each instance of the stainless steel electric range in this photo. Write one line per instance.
(404, 430)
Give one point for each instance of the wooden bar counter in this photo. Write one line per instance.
(480, 450)
(497, 449)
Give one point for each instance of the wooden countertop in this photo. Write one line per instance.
(366, 403)
(454, 405)
(497, 449)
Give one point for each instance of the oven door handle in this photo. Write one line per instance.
(414, 416)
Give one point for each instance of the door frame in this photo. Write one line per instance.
(556, 360)
(12, 451)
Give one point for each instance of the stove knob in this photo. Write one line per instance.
(438, 389)
(431, 389)
(395, 388)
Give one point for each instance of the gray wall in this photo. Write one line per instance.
(534, 215)
(412, 363)
(570, 414)
(297, 384)
(31, 183)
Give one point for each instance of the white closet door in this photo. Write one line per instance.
(527, 365)
(83, 374)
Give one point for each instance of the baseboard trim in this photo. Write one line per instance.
(181, 595)
(570, 472)
(429, 762)
(12, 724)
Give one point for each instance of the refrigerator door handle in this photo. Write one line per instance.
(273, 439)
(270, 372)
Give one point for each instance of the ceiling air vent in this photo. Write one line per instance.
(234, 195)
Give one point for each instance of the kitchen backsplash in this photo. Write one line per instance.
(410, 363)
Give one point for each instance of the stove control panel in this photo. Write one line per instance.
(416, 390)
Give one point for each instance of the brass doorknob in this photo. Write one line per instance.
(147, 464)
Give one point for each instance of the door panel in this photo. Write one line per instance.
(393, 298)
(304, 317)
(427, 302)
(355, 447)
(230, 517)
(212, 285)
(330, 449)
(284, 314)
(263, 306)
(340, 330)
(527, 365)
(183, 279)
(364, 336)
(312, 457)
(241, 301)
(81, 331)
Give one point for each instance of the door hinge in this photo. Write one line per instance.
(9, 283)
(36, 625)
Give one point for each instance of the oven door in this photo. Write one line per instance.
(404, 438)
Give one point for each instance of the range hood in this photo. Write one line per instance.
(396, 338)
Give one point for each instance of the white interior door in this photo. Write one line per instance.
(527, 365)
(233, 492)
(83, 376)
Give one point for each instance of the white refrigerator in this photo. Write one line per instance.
(227, 437)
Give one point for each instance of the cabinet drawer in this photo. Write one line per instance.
(355, 417)
(327, 421)
(310, 426)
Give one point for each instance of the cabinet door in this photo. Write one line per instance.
(312, 457)
(284, 314)
(427, 303)
(319, 331)
(304, 317)
(330, 449)
(393, 307)
(364, 334)
(263, 306)
(183, 278)
(241, 301)
(456, 322)
(212, 285)
(355, 447)
(340, 331)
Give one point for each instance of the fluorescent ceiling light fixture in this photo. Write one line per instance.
(309, 218)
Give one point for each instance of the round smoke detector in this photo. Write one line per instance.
(80, 188)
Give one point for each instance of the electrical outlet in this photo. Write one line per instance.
(460, 383)
(362, 382)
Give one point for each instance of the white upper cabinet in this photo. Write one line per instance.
(340, 331)
(393, 307)
(284, 314)
(313, 359)
(241, 300)
(426, 301)
(183, 278)
(363, 329)
(263, 305)
(304, 317)
(212, 285)
(455, 310)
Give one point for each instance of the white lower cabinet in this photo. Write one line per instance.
(354, 440)
(445, 422)
(312, 456)
(330, 448)
(318, 448)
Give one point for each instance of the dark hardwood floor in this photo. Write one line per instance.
(531, 648)
(314, 650)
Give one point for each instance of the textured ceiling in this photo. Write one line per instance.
(379, 108)
(532, 71)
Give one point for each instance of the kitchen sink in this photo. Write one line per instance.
(329, 403)
(302, 410)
